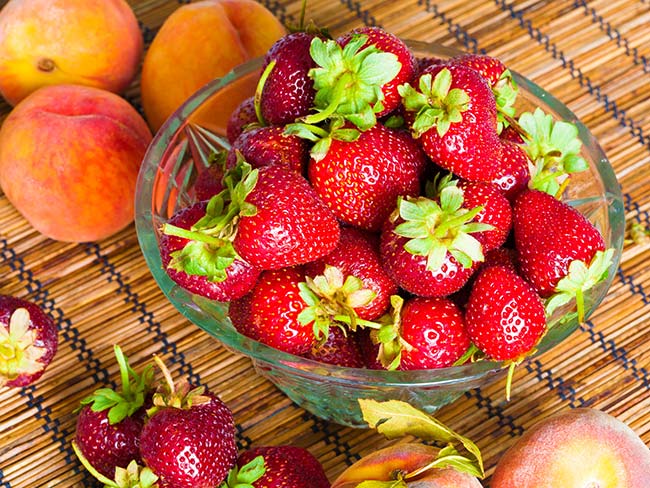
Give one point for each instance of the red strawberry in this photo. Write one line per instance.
(423, 63)
(512, 135)
(277, 467)
(209, 181)
(109, 422)
(340, 349)
(204, 268)
(387, 43)
(244, 115)
(357, 254)
(513, 173)
(274, 308)
(288, 91)
(290, 226)
(549, 235)
(426, 246)
(505, 317)
(503, 256)
(361, 180)
(28, 341)
(455, 120)
(189, 439)
(263, 146)
(496, 211)
(434, 329)
(489, 67)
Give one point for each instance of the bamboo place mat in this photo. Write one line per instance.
(594, 56)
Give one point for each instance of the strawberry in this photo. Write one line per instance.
(277, 467)
(242, 117)
(505, 317)
(28, 341)
(560, 253)
(357, 254)
(209, 181)
(434, 329)
(513, 173)
(357, 77)
(286, 92)
(360, 180)
(189, 439)
(426, 246)
(495, 211)
(273, 312)
(454, 116)
(262, 146)
(339, 349)
(109, 422)
(202, 265)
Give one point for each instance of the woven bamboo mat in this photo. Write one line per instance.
(593, 55)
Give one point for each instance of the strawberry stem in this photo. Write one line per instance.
(89, 467)
(511, 372)
(191, 235)
(258, 92)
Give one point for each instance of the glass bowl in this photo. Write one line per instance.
(182, 146)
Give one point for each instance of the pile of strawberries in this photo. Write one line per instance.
(385, 211)
(164, 435)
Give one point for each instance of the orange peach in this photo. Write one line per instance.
(388, 463)
(69, 160)
(580, 448)
(197, 43)
(50, 42)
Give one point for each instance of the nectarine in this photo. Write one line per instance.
(69, 160)
(86, 42)
(197, 43)
(580, 448)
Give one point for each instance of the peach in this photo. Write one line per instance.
(580, 448)
(69, 161)
(388, 463)
(50, 42)
(197, 43)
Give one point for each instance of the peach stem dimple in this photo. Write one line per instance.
(46, 65)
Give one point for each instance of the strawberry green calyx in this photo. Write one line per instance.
(175, 395)
(18, 352)
(348, 80)
(554, 149)
(388, 336)
(433, 228)
(322, 137)
(133, 476)
(129, 399)
(436, 104)
(331, 299)
(245, 476)
(505, 93)
(580, 278)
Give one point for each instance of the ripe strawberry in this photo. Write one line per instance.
(189, 439)
(243, 116)
(426, 246)
(28, 341)
(274, 307)
(277, 467)
(357, 254)
(360, 180)
(434, 329)
(209, 181)
(504, 317)
(513, 173)
(109, 422)
(202, 265)
(287, 91)
(340, 349)
(455, 120)
(549, 235)
(496, 212)
(263, 146)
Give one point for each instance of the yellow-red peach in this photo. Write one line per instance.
(387, 463)
(199, 42)
(579, 448)
(69, 161)
(50, 42)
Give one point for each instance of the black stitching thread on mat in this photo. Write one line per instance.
(615, 35)
(331, 436)
(470, 43)
(596, 91)
(69, 334)
(556, 383)
(361, 14)
(495, 411)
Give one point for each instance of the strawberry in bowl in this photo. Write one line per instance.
(375, 255)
